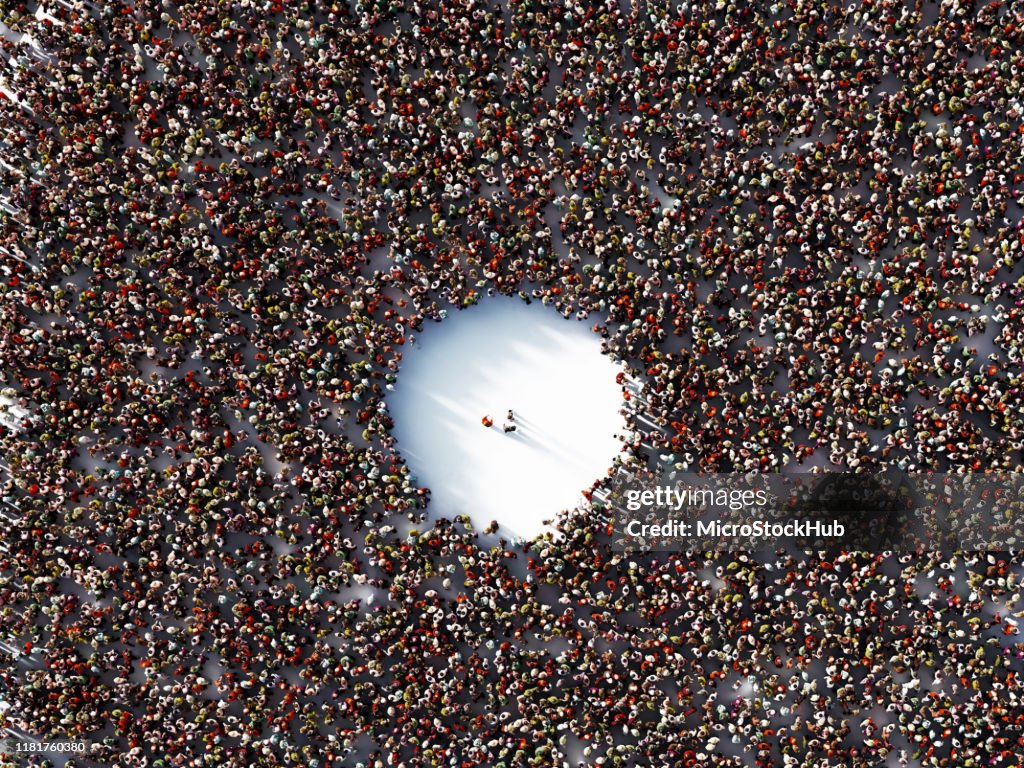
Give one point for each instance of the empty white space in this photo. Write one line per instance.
(482, 361)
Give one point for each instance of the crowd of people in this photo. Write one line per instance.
(797, 224)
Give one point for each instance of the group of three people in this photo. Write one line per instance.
(508, 426)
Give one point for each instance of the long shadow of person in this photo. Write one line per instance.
(877, 511)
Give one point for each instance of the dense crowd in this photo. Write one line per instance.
(798, 224)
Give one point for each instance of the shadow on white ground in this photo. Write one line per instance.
(483, 361)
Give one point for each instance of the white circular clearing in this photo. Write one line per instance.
(504, 354)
